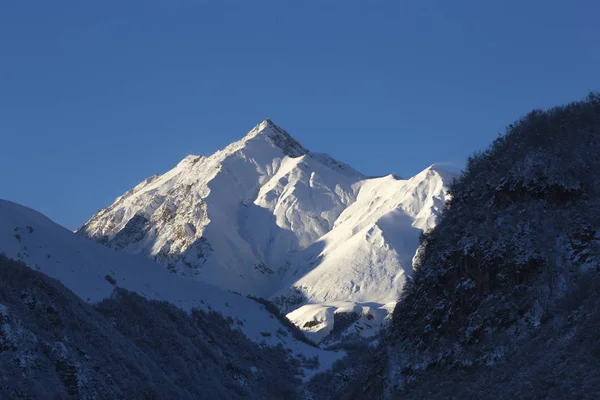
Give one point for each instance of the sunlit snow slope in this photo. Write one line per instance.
(361, 265)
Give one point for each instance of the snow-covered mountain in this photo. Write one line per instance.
(231, 219)
(267, 217)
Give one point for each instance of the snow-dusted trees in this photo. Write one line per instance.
(508, 277)
(505, 249)
(517, 206)
(54, 345)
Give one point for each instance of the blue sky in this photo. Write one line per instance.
(96, 96)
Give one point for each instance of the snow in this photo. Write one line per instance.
(82, 266)
(267, 217)
(3, 310)
(317, 320)
(253, 203)
(368, 254)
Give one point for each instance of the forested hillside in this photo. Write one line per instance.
(505, 300)
(53, 345)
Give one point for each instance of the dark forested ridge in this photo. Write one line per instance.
(53, 345)
(505, 301)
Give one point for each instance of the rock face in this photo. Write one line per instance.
(269, 218)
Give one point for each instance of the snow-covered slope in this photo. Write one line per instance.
(267, 217)
(364, 260)
(373, 240)
(231, 219)
(92, 271)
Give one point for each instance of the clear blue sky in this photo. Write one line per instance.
(97, 95)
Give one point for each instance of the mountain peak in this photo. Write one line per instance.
(265, 127)
(278, 136)
(267, 122)
(436, 170)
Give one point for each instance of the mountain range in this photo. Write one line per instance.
(268, 271)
